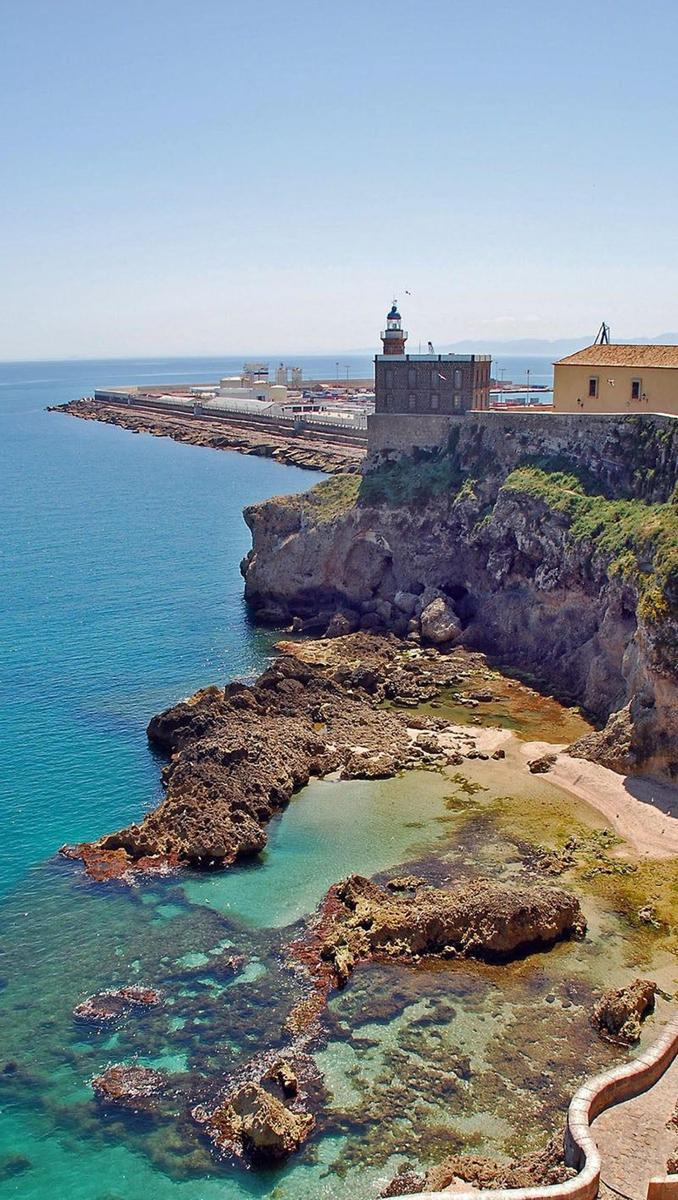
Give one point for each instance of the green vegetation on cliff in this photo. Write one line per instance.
(412, 481)
(330, 498)
(640, 539)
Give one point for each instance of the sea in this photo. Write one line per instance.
(120, 594)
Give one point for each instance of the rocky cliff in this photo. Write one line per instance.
(550, 544)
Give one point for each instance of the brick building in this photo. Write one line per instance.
(427, 383)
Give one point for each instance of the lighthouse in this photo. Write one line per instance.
(394, 336)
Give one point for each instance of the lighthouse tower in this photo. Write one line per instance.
(394, 336)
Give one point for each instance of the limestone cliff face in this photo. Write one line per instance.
(527, 564)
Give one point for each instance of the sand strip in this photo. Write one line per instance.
(641, 810)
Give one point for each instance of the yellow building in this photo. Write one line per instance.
(617, 379)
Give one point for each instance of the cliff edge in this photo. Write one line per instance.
(550, 543)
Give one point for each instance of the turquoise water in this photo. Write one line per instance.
(120, 593)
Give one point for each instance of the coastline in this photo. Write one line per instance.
(310, 451)
(643, 811)
(347, 708)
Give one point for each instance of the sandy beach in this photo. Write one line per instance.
(641, 810)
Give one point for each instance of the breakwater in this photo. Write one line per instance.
(287, 441)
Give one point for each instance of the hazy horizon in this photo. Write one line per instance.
(185, 177)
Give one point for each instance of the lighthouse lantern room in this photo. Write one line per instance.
(394, 336)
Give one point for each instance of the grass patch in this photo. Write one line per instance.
(641, 540)
(331, 498)
(412, 481)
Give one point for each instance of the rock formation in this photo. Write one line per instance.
(238, 753)
(253, 1123)
(104, 1007)
(541, 1168)
(554, 551)
(263, 1111)
(359, 920)
(313, 451)
(137, 1088)
(620, 1011)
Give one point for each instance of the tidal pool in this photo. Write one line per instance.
(330, 829)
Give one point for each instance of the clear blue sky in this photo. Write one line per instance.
(193, 177)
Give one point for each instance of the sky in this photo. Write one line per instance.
(203, 177)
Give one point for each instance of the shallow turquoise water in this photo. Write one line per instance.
(120, 593)
(329, 831)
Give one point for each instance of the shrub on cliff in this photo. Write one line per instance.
(640, 539)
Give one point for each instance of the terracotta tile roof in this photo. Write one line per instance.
(623, 355)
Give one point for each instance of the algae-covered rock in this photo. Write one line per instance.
(359, 920)
(620, 1011)
(542, 1168)
(127, 1086)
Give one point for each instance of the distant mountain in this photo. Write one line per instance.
(557, 348)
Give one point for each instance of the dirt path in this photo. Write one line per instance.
(635, 1139)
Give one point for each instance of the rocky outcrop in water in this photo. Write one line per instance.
(254, 1124)
(263, 1112)
(238, 753)
(556, 557)
(124, 1086)
(104, 1007)
(360, 920)
(620, 1011)
(542, 1168)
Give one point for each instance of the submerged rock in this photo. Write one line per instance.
(619, 1012)
(132, 1087)
(104, 1007)
(12, 1165)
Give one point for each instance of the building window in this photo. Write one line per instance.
(413, 403)
(635, 389)
(412, 377)
(457, 403)
(389, 377)
(593, 386)
(434, 403)
(389, 403)
(457, 377)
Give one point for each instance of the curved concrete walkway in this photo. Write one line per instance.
(633, 1139)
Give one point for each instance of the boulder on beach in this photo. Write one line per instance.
(439, 622)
